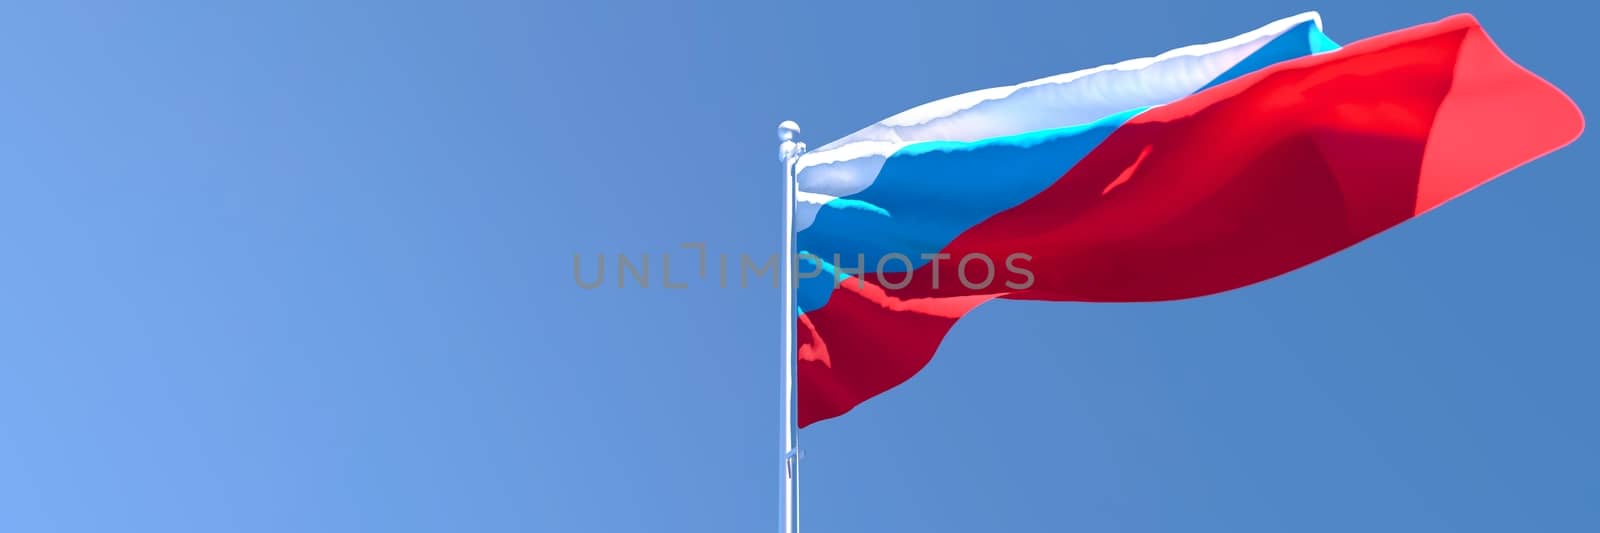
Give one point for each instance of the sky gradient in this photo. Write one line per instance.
(307, 266)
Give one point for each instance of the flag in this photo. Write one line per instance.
(1197, 171)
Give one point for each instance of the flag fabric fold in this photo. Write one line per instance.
(1198, 171)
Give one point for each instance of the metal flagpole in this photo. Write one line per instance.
(789, 151)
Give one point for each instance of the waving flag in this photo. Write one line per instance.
(1197, 171)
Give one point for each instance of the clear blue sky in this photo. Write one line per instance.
(306, 266)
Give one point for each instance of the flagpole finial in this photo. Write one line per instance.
(790, 147)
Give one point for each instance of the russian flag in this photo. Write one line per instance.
(1200, 170)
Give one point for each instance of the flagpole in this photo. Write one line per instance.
(789, 151)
